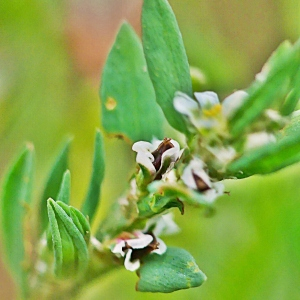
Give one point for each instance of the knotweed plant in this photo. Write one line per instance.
(48, 244)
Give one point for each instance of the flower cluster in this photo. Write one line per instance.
(135, 246)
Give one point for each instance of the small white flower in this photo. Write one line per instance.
(258, 139)
(126, 247)
(195, 177)
(207, 100)
(154, 155)
(170, 177)
(231, 103)
(203, 113)
(162, 225)
(224, 154)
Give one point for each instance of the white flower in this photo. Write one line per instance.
(258, 139)
(231, 103)
(135, 247)
(223, 154)
(202, 113)
(162, 225)
(206, 111)
(153, 156)
(207, 100)
(195, 177)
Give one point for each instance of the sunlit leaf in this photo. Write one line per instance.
(267, 159)
(293, 97)
(76, 236)
(65, 188)
(92, 199)
(272, 87)
(174, 270)
(54, 182)
(127, 96)
(15, 197)
(56, 240)
(81, 222)
(166, 58)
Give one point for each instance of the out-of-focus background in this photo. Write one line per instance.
(51, 57)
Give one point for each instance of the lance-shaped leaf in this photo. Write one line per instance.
(156, 204)
(92, 199)
(293, 97)
(65, 188)
(78, 219)
(56, 240)
(82, 255)
(127, 95)
(175, 270)
(267, 159)
(177, 191)
(166, 58)
(81, 222)
(15, 197)
(53, 183)
(274, 85)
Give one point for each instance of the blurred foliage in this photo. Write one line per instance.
(250, 248)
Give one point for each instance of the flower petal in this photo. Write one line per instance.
(195, 167)
(141, 242)
(162, 248)
(184, 104)
(207, 99)
(142, 146)
(258, 139)
(118, 249)
(233, 102)
(129, 265)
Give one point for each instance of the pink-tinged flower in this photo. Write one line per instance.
(195, 177)
(157, 157)
(136, 246)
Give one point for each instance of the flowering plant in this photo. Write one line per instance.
(48, 243)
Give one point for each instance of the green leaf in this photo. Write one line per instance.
(176, 269)
(156, 204)
(64, 194)
(53, 183)
(93, 195)
(267, 159)
(282, 67)
(127, 95)
(15, 196)
(166, 58)
(56, 239)
(77, 238)
(82, 223)
(293, 127)
(293, 97)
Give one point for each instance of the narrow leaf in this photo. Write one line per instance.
(176, 269)
(56, 239)
(75, 234)
(15, 196)
(267, 159)
(64, 193)
(127, 95)
(274, 86)
(293, 97)
(166, 58)
(84, 223)
(93, 195)
(54, 181)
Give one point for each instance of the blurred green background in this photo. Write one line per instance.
(51, 56)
